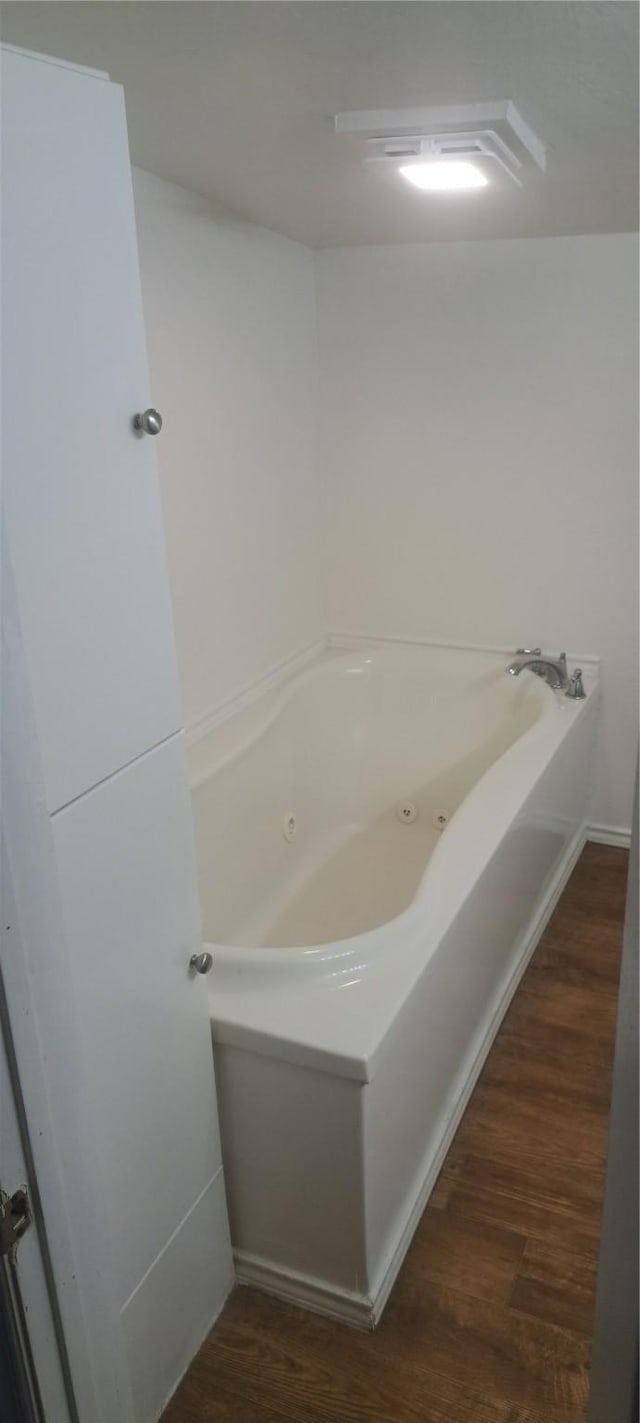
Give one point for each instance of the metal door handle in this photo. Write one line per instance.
(148, 422)
(201, 962)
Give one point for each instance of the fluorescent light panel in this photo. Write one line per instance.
(440, 176)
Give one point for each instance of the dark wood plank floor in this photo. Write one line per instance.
(490, 1319)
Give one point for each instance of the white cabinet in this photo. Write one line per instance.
(97, 809)
(125, 870)
(80, 487)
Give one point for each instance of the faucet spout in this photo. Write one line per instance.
(553, 670)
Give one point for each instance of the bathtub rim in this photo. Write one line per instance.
(262, 1012)
(307, 959)
(324, 649)
(254, 712)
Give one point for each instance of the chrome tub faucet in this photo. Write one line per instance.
(552, 669)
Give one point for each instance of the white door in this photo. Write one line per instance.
(26, 1284)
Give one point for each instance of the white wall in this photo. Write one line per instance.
(231, 332)
(479, 433)
(478, 451)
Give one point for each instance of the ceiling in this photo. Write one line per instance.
(235, 100)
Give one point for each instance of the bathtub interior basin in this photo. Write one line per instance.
(319, 823)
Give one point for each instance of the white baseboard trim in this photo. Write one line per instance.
(609, 835)
(304, 1290)
(364, 1311)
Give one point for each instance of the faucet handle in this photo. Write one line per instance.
(575, 690)
(528, 651)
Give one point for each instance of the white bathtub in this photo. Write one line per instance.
(363, 955)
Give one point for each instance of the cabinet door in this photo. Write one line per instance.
(81, 497)
(125, 870)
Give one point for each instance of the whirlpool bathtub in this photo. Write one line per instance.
(380, 842)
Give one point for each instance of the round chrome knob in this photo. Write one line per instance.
(201, 962)
(149, 422)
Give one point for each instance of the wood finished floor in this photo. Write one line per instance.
(490, 1319)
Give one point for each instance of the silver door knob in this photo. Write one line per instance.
(149, 422)
(201, 962)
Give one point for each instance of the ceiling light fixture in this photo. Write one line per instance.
(438, 176)
(484, 137)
